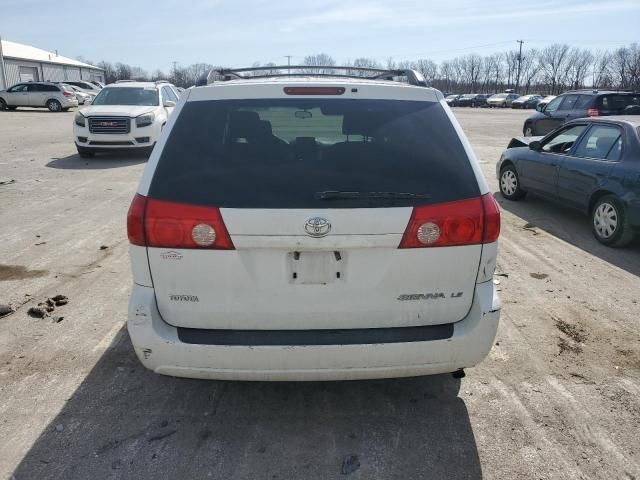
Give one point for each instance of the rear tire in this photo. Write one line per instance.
(3, 105)
(609, 222)
(510, 184)
(54, 106)
(85, 152)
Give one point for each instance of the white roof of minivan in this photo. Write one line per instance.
(271, 87)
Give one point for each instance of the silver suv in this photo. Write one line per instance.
(38, 94)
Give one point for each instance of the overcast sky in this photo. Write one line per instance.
(153, 33)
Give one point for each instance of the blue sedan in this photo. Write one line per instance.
(592, 164)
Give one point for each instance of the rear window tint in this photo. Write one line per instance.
(617, 103)
(569, 102)
(279, 153)
(583, 102)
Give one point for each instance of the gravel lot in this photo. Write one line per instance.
(558, 397)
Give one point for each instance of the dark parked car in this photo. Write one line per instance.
(578, 104)
(466, 100)
(526, 101)
(592, 164)
(480, 100)
(452, 100)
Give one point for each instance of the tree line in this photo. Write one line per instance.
(549, 70)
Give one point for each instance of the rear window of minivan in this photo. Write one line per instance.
(617, 103)
(282, 153)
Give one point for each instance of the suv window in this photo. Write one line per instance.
(147, 96)
(583, 102)
(47, 88)
(569, 102)
(18, 88)
(280, 153)
(553, 105)
(562, 141)
(598, 142)
(616, 103)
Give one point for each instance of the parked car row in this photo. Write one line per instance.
(578, 104)
(56, 96)
(506, 99)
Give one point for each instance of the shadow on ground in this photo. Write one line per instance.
(572, 227)
(99, 162)
(126, 422)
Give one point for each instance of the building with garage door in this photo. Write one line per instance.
(22, 63)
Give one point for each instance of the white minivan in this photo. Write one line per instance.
(320, 227)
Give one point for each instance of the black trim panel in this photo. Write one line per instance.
(351, 336)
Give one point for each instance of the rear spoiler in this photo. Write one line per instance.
(521, 141)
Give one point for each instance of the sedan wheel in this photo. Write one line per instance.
(609, 223)
(3, 105)
(510, 184)
(605, 220)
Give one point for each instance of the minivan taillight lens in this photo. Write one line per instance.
(463, 222)
(156, 223)
(593, 112)
(491, 230)
(135, 220)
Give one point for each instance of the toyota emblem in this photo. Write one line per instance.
(317, 227)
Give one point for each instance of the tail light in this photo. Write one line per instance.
(593, 112)
(67, 93)
(464, 222)
(156, 223)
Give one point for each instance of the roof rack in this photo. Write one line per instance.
(412, 77)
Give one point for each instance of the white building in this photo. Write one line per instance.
(22, 63)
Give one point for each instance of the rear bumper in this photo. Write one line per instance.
(159, 349)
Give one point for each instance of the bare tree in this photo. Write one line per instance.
(579, 62)
(139, 74)
(552, 63)
(601, 74)
(428, 69)
(471, 66)
(528, 69)
(123, 71)
(320, 60)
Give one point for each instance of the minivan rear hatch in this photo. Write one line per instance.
(312, 197)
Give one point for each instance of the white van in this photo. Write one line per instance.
(320, 227)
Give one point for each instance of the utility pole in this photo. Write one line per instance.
(519, 64)
(174, 69)
(288, 64)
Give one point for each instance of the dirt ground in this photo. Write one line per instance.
(557, 398)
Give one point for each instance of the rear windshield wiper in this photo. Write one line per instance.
(335, 195)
